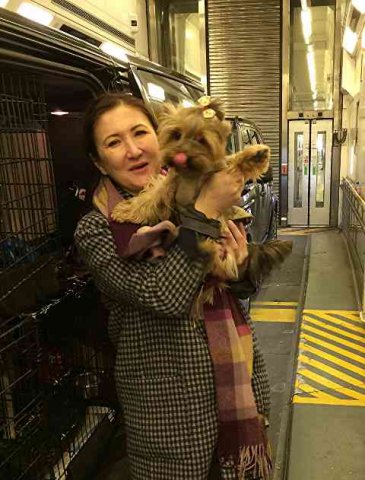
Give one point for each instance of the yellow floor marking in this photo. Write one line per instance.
(334, 348)
(312, 390)
(336, 360)
(314, 321)
(324, 401)
(332, 371)
(329, 336)
(273, 315)
(287, 304)
(344, 313)
(330, 384)
(343, 322)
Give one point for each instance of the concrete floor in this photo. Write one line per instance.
(278, 339)
(327, 442)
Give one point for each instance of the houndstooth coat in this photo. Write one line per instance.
(163, 370)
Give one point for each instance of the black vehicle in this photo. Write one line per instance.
(257, 198)
(56, 387)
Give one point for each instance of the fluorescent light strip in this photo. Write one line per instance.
(306, 18)
(35, 13)
(363, 39)
(311, 69)
(59, 113)
(304, 4)
(349, 40)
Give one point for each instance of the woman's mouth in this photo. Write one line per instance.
(141, 167)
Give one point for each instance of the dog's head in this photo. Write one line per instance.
(193, 139)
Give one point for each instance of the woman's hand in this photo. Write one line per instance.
(220, 192)
(236, 242)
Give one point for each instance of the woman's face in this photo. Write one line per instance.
(127, 147)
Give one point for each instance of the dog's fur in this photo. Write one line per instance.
(202, 141)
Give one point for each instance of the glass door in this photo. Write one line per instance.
(320, 174)
(298, 172)
(310, 147)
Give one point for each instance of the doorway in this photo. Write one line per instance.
(309, 162)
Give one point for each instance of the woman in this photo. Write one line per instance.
(166, 367)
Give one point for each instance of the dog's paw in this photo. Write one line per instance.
(253, 161)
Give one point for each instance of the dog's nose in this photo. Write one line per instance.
(180, 159)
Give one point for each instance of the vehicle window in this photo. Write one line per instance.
(231, 147)
(254, 139)
(244, 137)
(160, 89)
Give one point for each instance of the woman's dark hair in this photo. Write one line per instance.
(101, 105)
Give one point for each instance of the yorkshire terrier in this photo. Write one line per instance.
(193, 147)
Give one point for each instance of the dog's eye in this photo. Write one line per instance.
(202, 141)
(175, 135)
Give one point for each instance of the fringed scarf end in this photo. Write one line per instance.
(256, 460)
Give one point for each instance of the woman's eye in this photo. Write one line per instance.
(139, 133)
(113, 143)
(175, 135)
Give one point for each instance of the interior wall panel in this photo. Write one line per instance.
(244, 63)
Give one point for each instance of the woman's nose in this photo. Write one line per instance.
(133, 149)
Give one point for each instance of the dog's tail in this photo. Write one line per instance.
(264, 257)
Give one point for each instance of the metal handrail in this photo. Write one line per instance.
(353, 227)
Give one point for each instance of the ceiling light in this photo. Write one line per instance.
(311, 70)
(156, 92)
(59, 113)
(114, 50)
(35, 13)
(306, 18)
(359, 5)
(349, 40)
(3, 3)
(304, 4)
(189, 35)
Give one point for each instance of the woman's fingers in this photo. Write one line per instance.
(237, 242)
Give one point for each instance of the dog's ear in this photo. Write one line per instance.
(165, 110)
(217, 105)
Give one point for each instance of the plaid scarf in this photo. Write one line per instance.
(242, 443)
(243, 449)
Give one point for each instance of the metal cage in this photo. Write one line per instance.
(56, 386)
(56, 363)
(28, 220)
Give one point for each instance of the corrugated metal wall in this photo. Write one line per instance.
(244, 63)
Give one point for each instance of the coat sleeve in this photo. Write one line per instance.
(167, 287)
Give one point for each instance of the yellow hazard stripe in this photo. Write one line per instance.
(330, 384)
(327, 401)
(273, 315)
(330, 328)
(334, 338)
(342, 322)
(351, 314)
(304, 387)
(336, 360)
(332, 371)
(273, 304)
(334, 348)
